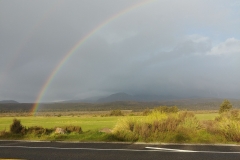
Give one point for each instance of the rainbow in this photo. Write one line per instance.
(75, 48)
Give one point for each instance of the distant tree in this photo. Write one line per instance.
(225, 106)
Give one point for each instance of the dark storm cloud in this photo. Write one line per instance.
(185, 48)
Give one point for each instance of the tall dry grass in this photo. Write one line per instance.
(158, 125)
(179, 127)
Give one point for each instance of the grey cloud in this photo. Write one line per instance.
(162, 47)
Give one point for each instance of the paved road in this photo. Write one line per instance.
(107, 151)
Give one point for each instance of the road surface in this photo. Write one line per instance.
(65, 150)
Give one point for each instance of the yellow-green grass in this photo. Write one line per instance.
(87, 123)
(206, 116)
(182, 127)
(92, 124)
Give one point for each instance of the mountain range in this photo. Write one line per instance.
(8, 101)
(123, 97)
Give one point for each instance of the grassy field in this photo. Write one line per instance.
(157, 126)
(206, 116)
(86, 122)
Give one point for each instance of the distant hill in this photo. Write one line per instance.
(117, 97)
(86, 100)
(8, 101)
(138, 98)
(189, 104)
(122, 97)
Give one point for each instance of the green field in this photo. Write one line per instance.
(86, 122)
(206, 116)
(181, 127)
(161, 124)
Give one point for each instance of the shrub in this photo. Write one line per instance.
(146, 112)
(16, 127)
(124, 129)
(116, 113)
(3, 133)
(168, 125)
(183, 115)
(166, 109)
(230, 129)
(182, 137)
(38, 130)
(210, 126)
(155, 116)
(228, 125)
(70, 129)
(159, 125)
(124, 135)
(235, 114)
(190, 123)
(125, 124)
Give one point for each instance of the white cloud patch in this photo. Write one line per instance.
(229, 47)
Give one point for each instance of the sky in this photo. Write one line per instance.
(56, 50)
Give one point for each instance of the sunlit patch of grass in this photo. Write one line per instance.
(206, 116)
(87, 123)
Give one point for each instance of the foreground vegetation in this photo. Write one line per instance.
(166, 124)
(182, 127)
(162, 124)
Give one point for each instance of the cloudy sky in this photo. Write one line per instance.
(184, 48)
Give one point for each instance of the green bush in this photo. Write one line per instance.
(228, 125)
(181, 137)
(166, 109)
(16, 127)
(210, 126)
(125, 135)
(125, 124)
(168, 125)
(116, 113)
(146, 112)
(235, 115)
(190, 123)
(230, 129)
(75, 129)
(59, 115)
(3, 133)
(38, 130)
